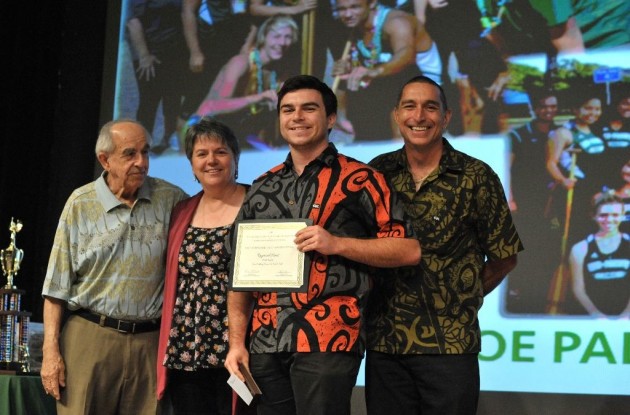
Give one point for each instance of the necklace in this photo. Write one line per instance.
(371, 53)
(420, 179)
(257, 78)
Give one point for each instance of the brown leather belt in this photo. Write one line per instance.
(123, 326)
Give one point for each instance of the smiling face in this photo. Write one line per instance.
(277, 42)
(421, 116)
(623, 107)
(546, 109)
(589, 112)
(303, 121)
(213, 163)
(353, 13)
(127, 165)
(609, 217)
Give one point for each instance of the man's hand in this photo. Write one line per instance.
(341, 67)
(236, 355)
(53, 373)
(316, 238)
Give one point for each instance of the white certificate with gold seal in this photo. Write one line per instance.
(265, 257)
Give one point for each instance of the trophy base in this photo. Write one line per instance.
(11, 368)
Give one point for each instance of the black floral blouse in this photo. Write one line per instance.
(199, 334)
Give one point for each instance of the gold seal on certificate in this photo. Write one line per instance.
(265, 258)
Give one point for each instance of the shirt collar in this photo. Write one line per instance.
(109, 200)
(326, 158)
(451, 159)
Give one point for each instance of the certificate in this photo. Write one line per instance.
(265, 258)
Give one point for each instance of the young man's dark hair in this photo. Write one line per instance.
(309, 82)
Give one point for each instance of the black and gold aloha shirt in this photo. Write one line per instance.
(461, 217)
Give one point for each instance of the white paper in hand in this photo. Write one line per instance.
(241, 389)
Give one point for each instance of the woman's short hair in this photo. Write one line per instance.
(208, 127)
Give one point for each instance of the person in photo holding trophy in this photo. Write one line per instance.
(194, 330)
(306, 343)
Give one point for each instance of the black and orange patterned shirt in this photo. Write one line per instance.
(460, 216)
(347, 198)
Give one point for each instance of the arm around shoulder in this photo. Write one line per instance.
(387, 252)
(382, 252)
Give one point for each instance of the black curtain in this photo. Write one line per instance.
(52, 54)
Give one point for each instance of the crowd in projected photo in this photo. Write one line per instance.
(552, 79)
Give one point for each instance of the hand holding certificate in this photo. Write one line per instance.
(266, 258)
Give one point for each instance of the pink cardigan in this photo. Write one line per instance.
(180, 219)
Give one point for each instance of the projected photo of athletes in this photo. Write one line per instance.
(540, 90)
(567, 189)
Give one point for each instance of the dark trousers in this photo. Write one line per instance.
(203, 392)
(421, 384)
(305, 383)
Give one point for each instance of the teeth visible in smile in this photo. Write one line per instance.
(419, 128)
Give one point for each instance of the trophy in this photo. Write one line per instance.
(12, 256)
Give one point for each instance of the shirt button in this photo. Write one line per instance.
(278, 308)
(292, 202)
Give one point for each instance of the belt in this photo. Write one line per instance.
(123, 326)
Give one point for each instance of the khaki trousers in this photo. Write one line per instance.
(107, 372)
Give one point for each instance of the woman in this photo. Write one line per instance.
(194, 332)
(600, 264)
(616, 134)
(244, 93)
(577, 139)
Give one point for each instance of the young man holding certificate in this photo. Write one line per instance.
(306, 343)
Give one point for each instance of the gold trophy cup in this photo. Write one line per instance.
(12, 256)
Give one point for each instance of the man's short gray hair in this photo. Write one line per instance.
(105, 141)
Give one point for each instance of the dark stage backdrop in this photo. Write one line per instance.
(70, 68)
(53, 57)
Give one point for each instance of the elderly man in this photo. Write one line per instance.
(107, 269)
